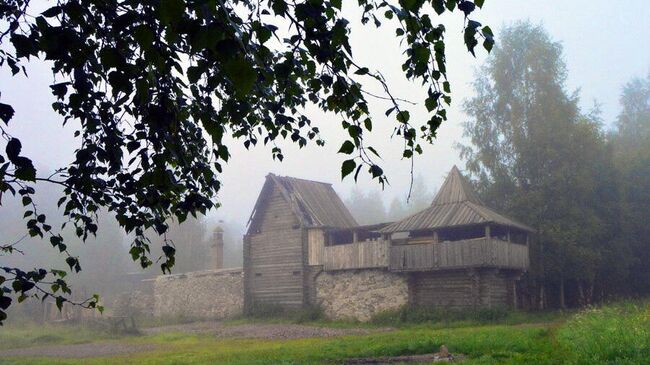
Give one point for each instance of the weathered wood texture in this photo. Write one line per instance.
(357, 255)
(481, 252)
(496, 289)
(446, 289)
(275, 262)
(316, 246)
(463, 289)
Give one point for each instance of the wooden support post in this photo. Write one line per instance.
(508, 235)
(355, 236)
(435, 237)
(487, 231)
(475, 287)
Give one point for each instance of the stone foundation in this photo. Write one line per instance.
(360, 294)
(201, 294)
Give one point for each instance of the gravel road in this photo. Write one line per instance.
(95, 349)
(261, 330)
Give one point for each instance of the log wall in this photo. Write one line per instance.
(463, 289)
(274, 266)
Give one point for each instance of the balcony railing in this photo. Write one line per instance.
(482, 252)
(357, 255)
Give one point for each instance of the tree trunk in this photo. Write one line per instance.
(562, 300)
(590, 293)
(581, 294)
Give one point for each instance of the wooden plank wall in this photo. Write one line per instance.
(316, 246)
(275, 262)
(356, 255)
(481, 252)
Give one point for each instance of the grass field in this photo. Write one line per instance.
(616, 334)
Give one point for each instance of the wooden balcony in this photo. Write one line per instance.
(474, 253)
(356, 255)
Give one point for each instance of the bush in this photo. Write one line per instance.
(419, 314)
(309, 314)
(265, 311)
(276, 311)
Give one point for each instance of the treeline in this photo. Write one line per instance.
(368, 207)
(534, 154)
(107, 268)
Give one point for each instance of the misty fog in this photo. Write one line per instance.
(324, 182)
(597, 66)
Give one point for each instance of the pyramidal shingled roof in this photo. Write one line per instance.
(456, 204)
(455, 189)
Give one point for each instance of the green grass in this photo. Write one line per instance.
(32, 334)
(616, 334)
(490, 343)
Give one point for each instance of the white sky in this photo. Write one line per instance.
(605, 45)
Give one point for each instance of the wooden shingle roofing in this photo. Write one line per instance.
(316, 204)
(456, 204)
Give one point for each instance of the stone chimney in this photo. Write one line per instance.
(217, 248)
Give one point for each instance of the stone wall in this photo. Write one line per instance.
(201, 294)
(133, 303)
(360, 294)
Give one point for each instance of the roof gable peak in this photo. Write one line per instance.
(314, 203)
(455, 189)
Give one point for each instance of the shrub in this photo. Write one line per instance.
(420, 314)
(276, 311)
(309, 314)
(266, 310)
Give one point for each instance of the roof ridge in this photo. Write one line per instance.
(302, 179)
(471, 206)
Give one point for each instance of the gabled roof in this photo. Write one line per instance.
(316, 204)
(456, 204)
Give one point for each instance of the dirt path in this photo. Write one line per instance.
(95, 349)
(218, 329)
(260, 330)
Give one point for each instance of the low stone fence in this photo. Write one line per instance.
(360, 294)
(201, 294)
(345, 294)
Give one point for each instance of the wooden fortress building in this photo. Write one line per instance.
(304, 248)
